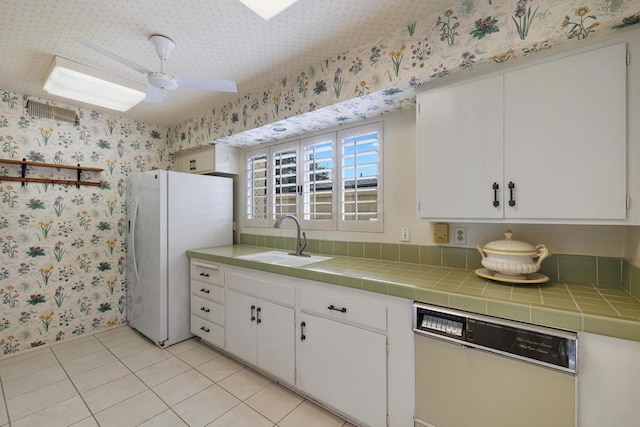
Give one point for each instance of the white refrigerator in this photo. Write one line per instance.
(169, 213)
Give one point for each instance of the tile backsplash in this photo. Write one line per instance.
(559, 267)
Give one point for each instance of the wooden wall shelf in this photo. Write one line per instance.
(24, 179)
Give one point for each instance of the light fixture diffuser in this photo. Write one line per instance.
(267, 9)
(72, 80)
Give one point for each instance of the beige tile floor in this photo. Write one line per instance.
(118, 378)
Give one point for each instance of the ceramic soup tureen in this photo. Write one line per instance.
(510, 258)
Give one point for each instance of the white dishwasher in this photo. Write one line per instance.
(475, 370)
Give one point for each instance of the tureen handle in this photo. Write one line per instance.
(543, 252)
(479, 248)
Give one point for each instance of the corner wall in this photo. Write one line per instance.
(62, 248)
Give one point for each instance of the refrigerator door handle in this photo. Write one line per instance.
(134, 224)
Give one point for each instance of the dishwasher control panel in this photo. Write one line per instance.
(441, 323)
(549, 347)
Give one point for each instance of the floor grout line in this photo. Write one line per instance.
(241, 398)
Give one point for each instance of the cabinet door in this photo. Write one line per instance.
(276, 340)
(565, 137)
(459, 150)
(345, 367)
(240, 329)
(184, 163)
(204, 160)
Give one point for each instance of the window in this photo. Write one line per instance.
(318, 201)
(331, 181)
(256, 173)
(360, 186)
(284, 180)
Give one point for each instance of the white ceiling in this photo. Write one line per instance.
(215, 38)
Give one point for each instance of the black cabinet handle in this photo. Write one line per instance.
(253, 314)
(496, 187)
(204, 274)
(334, 308)
(302, 335)
(205, 309)
(206, 291)
(258, 316)
(512, 201)
(202, 328)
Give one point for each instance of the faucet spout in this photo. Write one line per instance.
(301, 237)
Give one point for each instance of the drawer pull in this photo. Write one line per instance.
(205, 309)
(253, 315)
(334, 308)
(202, 328)
(206, 291)
(302, 335)
(204, 274)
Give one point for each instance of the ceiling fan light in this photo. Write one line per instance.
(267, 9)
(162, 81)
(75, 81)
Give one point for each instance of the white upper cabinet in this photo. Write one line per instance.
(208, 160)
(565, 137)
(544, 142)
(460, 147)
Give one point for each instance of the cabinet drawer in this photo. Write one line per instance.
(207, 310)
(348, 310)
(207, 273)
(209, 292)
(208, 331)
(267, 290)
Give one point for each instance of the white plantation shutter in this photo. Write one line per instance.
(256, 172)
(331, 181)
(318, 201)
(360, 207)
(284, 179)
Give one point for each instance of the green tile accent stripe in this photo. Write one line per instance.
(598, 307)
(578, 268)
(631, 278)
(570, 268)
(609, 271)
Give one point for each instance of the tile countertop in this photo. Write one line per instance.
(574, 306)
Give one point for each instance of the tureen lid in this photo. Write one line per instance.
(509, 245)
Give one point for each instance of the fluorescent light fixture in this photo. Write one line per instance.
(71, 80)
(267, 9)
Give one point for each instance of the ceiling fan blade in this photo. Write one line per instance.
(121, 59)
(203, 83)
(155, 94)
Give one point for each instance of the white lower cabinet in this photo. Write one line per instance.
(259, 331)
(345, 367)
(608, 386)
(347, 349)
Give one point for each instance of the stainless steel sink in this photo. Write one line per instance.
(283, 258)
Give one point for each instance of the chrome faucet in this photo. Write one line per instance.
(301, 242)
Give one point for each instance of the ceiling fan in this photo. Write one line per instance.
(160, 83)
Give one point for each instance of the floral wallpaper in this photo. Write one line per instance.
(62, 248)
(383, 75)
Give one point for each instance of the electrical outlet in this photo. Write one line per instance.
(460, 236)
(405, 236)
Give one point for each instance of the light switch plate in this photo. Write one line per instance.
(441, 232)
